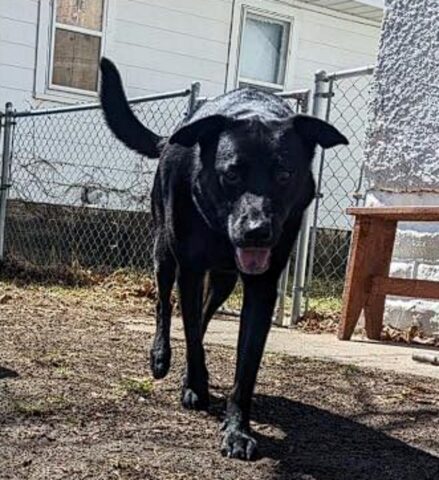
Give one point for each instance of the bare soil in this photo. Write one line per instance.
(77, 402)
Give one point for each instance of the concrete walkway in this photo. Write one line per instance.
(363, 353)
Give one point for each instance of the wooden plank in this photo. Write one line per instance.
(375, 303)
(411, 214)
(404, 287)
(354, 295)
(364, 263)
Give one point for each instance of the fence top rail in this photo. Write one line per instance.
(95, 106)
(353, 72)
(297, 94)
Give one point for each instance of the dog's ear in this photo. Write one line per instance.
(318, 131)
(200, 130)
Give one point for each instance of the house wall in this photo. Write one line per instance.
(165, 45)
(18, 39)
(159, 45)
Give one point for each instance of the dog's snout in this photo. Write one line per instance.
(259, 232)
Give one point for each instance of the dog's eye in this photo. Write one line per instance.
(283, 176)
(232, 177)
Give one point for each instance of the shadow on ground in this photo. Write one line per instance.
(319, 445)
(7, 373)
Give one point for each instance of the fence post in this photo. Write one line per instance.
(280, 318)
(5, 173)
(193, 97)
(312, 248)
(300, 266)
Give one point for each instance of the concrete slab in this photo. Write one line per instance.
(359, 352)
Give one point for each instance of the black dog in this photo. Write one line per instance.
(228, 197)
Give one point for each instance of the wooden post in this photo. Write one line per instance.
(371, 253)
(375, 302)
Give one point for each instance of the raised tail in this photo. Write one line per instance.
(121, 119)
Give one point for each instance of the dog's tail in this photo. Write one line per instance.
(121, 119)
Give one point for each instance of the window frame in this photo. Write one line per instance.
(285, 47)
(45, 89)
(265, 8)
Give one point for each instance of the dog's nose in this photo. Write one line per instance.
(260, 232)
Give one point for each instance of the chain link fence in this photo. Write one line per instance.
(342, 99)
(78, 198)
(73, 198)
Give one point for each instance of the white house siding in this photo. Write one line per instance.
(159, 45)
(330, 43)
(166, 45)
(163, 45)
(18, 34)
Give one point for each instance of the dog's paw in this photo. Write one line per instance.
(194, 401)
(160, 361)
(237, 443)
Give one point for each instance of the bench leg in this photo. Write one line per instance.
(373, 316)
(375, 302)
(354, 294)
(371, 252)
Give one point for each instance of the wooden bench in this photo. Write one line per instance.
(367, 280)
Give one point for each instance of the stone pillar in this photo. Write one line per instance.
(402, 146)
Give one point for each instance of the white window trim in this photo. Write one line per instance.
(285, 52)
(44, 89)
(264, 8)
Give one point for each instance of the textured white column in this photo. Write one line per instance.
(402, 147)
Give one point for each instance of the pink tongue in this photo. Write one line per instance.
(253, 260)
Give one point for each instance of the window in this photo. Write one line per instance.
(263, 51)
(70, 44)
(76, 46)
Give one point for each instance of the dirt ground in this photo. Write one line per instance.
(77, 402)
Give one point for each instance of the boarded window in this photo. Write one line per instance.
(77, 44)
(80, 13)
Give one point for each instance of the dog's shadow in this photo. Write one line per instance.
(7, 373)
(314, 444)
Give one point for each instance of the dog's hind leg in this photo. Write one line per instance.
(219, 286)
(195, 392)
(160, 355)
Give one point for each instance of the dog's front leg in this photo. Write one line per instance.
(195, 394)
(259, 301)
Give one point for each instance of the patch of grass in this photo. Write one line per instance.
(52, 359)
(39, 407)
(323, 287)
(139, 386)
(325, 297)
(64, 372)
(351, 369)
(326, 305)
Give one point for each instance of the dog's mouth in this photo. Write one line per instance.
(253, 261)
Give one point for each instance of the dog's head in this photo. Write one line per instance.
(253, 174)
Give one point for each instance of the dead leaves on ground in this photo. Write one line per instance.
(412, 335)
(317, 323)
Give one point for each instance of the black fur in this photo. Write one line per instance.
(121, 119)
(228, 198)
